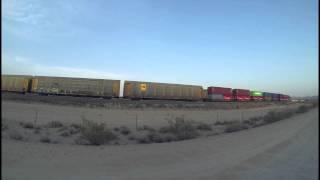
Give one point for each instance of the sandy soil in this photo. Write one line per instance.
(287, 149)
(43, 113)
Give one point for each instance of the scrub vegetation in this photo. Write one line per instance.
(177, 129)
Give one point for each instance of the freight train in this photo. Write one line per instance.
(132, 89)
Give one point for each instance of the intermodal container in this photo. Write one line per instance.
(76, 86)
(153, 90)
(284, 97)
(267, 96)
(275, 97)
(15, 83)
(219, 94)
(256, 95)
(241, 94)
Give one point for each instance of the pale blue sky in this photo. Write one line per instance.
(269, 45)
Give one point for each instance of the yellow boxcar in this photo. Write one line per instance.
(151, 90)
(15, 83)
(76, 86)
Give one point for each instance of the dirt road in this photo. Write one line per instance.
(286, 149)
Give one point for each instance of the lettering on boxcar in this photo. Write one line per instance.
(143, 87)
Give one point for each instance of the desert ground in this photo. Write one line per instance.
(43, 113)
(287, 149)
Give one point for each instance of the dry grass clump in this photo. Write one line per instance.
(96, 133)
(36, 131)
(303, 109)
(45, 139)
(54, 124)
(76, 126)
(254, 121)
(124, 130)
(204, 127)
(181, 128)
(16, 136)
(4, 126)
(146, 128)
(274, 116)
(27, 125)
(235, 127)
(223, 122)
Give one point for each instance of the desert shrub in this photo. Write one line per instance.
(63, 128)
(315, 104)
(143, 140)
(65, 134)
(181, 128)
(302, 109)
(4, 126)
(16, 136)
(73, 130)
(81, 141)
(146, 128)
(54, 124)
(27, 125)
(132, 138)
(96, 133)
(36, 131)
(154, 137)
(253, 121)
(235, 127)
(204, 127)
(45, 139)
(169, 138)
(273, 116)
(225, 122)
(76, 126)
(124, 130)
(116, 129)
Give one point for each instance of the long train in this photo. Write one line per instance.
(132, 89)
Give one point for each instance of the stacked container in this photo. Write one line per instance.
(241, 94)
(284, 97)
(267, 96)
(256, 95)
(219, 94)
(275, 97)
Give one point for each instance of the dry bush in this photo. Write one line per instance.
(225, 122)
(235, 127)
(204, 127)
(65, 134)
(4, 126)
(132, 138)
(146, 128)
(16, 136)
(73, 130)
(27, 125)
(124, 130)
(96, 133)
(45, 139)
(253, 121)
(181, 128)
(274, 116)
(36, 131)
(76, 126)
(154, 137)
(303, 109)
(143, 140)
(54, 124)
